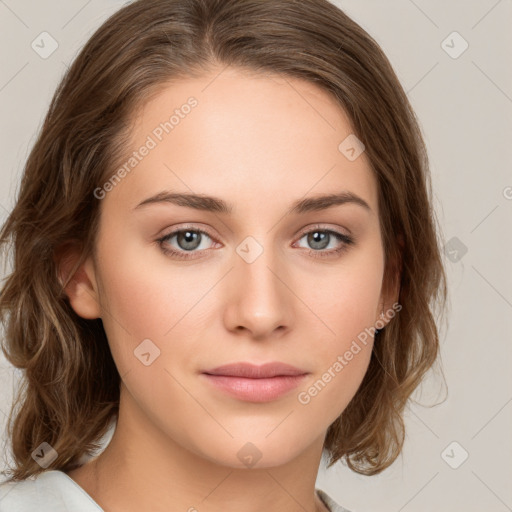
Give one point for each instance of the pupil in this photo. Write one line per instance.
(319, 238)
(188, 240)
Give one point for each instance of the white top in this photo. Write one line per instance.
(55, 491)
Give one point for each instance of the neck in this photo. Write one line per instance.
(157, 473)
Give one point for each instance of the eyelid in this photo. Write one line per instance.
(302, 232)
(345, 239)
(323, 227)
(176, 229)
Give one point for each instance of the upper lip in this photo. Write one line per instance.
(251, 371)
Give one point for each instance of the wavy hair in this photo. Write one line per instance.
(69, 387)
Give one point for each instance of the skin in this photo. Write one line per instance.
(259, 142)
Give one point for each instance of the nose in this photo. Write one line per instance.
(260, 299)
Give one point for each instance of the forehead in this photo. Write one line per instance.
(254, 134)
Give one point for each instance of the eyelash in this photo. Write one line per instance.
(183, 255)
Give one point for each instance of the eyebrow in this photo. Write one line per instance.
(217, 205)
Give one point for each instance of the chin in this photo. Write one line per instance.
(256, 452)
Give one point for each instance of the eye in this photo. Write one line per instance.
(319, 239)
(188, 240)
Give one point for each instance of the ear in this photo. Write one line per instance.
(78, 279)
(391, 287)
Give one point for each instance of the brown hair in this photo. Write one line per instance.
(70, 386)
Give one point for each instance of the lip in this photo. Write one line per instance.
(252, 371)
(254, 383)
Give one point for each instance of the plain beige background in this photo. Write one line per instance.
(463, 100)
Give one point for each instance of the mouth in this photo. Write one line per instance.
(253, 383)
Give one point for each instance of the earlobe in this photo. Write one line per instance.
(79, 282)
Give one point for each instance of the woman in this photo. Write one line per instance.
(224, 244)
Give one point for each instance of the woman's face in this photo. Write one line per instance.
(255, 287)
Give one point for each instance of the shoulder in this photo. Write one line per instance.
(50, 491)
(330, 503)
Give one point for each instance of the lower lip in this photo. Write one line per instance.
(256, 390)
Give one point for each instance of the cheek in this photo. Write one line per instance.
(145, 297)
(137, 303)
(139, 289)
(346, 298)
(328, 393)
(347, 307)
(341, 363)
